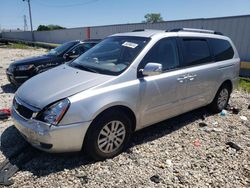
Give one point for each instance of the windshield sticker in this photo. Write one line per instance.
(130, 44)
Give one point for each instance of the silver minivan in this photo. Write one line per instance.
(125, 83)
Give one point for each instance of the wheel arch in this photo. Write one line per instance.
(124, 108)
(226, 82)
(128, 111)
(229, 84)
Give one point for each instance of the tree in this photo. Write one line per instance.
(49, 27)
(42, 28)
(153, 18)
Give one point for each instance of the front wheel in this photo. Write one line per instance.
(221, 99)
(108, 135)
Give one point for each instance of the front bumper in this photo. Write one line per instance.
(54, 139)
(16, 79)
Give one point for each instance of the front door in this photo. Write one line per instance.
(161, 95)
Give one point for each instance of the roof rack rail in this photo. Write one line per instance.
(195, 30)
(138, 30)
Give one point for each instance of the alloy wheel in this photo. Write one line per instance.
(111, 136)
(222, 99)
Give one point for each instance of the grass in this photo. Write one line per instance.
(16, 46)
(23, 45)
(244, 84)
(51, 44)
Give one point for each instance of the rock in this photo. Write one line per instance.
(155, 178)
(234, 146)
(228, 107)
(236, 110)
(181, 179)
(213, 129)
(129, 151)
(244, 118)
(202, 124)
(197, 143)
(215, 123)
(173, 158)
(169, 163)
(83, 178)
(203, 117)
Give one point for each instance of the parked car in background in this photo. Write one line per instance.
(21, 70)
(125, 83)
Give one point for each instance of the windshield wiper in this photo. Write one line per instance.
(85, 68)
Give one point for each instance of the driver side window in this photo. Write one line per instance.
(79, 49)
(164, 52)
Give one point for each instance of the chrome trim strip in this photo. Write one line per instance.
(21, 77)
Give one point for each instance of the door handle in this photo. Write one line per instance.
(182, 78)
(191, 76)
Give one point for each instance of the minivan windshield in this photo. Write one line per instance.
(62, 48)
(111, 56)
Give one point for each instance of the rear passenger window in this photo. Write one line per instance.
(195, 52)
(222, 49)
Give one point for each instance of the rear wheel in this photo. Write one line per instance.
(108, 135)
(221, 99)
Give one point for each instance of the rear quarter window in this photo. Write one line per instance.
(222, 49)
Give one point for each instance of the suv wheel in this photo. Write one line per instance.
(221, 99)
(108, 135)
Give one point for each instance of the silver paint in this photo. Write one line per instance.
(151, 99)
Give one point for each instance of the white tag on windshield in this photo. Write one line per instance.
(130, 44)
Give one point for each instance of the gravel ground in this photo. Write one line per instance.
(191, 150)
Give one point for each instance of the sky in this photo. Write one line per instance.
(80, 13)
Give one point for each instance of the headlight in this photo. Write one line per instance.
(11, 68)
(55, 112)
(24, 67)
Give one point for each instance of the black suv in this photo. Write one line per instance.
(21, 70)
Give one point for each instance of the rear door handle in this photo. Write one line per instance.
(191, 76)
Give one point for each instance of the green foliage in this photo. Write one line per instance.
(16, 46)
(49, 27)
(153, 18)
(244, 84)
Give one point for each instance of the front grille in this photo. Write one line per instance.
(22, 110)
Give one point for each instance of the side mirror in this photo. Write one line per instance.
(152, 69)
(66, 56)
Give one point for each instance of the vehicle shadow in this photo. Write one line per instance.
(8, 88)
(45, 163)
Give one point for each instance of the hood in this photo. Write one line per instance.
(58, 83)
(36, 59)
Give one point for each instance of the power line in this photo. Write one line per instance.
(67, 5)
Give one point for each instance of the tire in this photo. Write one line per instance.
(221, 99)
(103, 125)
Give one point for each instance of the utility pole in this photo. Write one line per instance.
(31, 26)
(25, 25)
